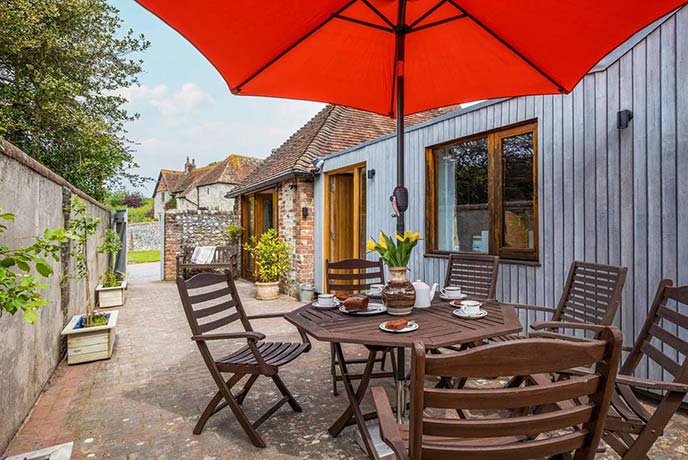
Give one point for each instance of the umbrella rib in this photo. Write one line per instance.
(238, 88)
(438, 23)
(378, 12)
(426, 14)
(364, 23)
(496, 36)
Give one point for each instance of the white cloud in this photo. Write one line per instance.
(170, 104)
(187, 98)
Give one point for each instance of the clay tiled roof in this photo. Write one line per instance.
(333, 129)
(231, 170)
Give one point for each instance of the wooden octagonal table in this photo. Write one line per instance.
(437, 327)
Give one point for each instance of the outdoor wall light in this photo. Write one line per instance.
(623, 118)
(371, 173)
(304, 212)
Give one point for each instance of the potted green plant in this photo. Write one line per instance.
(398, 294)
(234, 232)
(90, 336)
(112, 286)
(271, 259)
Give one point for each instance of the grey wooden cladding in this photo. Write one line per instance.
(611, 196)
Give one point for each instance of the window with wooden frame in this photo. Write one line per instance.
(481, 194)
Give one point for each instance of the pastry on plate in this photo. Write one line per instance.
(396, 324)
(356, 303)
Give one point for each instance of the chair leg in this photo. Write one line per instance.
(214, 405)
(384, 358)
(244, 391)
(236, 408)
(285, 392)
(333, 370)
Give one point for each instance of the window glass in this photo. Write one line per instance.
(518, 191)
(462, 196)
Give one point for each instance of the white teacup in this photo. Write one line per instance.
(470, 307)
(326, 300)
(376, 289)
(451, 292)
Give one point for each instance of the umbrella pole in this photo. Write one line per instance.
(400, 194)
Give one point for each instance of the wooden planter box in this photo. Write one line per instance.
(111, 296)
(90, 343)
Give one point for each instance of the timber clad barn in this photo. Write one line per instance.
(540, 181)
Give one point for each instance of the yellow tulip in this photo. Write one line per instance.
(370, 245)
(407, 234)
(382, 242)
(399, 237)
(415, 237)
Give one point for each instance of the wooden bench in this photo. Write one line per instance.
(223, 259)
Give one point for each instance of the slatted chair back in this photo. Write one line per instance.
(657, 330)
(354, 275)
(211, 301)
(475, 274)
(517, 436)
(592, 294)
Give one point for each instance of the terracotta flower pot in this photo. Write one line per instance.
(398, 295)
(267, 291)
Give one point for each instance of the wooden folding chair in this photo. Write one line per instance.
(631, 428)
(352, 276)
(557, 435)
(591, 295)
(211, 301)
(475, 274)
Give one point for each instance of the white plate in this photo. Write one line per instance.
(373, 309)
(461, 314)
(460, 304)
(411, 327)
(461, 297)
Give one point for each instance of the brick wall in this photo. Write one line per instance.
(293, 196)
(195, 228)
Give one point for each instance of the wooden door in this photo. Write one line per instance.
(342, 230)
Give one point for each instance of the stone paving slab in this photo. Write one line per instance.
(144, 402)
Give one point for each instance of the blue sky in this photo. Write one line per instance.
(186, 109)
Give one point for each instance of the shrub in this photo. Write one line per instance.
(133, 200)
(234, 232)
(171, 203)
(270, 255)
(150, 214)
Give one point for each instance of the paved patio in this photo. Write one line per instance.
(144, 402)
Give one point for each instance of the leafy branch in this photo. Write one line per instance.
(22, 269)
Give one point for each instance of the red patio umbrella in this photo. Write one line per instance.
(404, 56)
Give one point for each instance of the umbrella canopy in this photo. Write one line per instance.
(405, 56)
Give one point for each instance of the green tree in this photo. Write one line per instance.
(61, 64)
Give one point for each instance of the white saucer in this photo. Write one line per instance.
(411, 327)
(373, 309)
(461, 297)
(461, 314)
(322, 307)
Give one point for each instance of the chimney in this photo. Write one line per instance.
(189, 166)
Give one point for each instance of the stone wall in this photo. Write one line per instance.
(195, 228)
(144, 236)
(213, 197)
(30, 353)
(297, 230)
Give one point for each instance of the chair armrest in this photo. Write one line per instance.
(229, 335)
(389, 430)
(522, 306)
(557, 335)
(626, 348)
(540, 325)
(304, 337)
(635, 382)
(648, 384)
(267, 315)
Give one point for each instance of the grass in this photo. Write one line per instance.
(142, 257)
